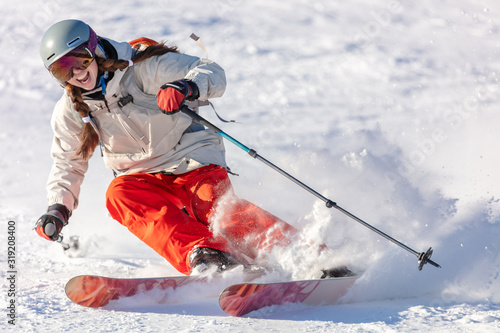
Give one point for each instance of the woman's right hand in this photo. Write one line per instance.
(50, 224)
(171, 95)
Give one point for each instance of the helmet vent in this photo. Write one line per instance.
(73, 41)
(53, 54)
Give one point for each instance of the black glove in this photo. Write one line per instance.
(50, 224)
(171, 95)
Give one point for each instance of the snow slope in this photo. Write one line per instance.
(389, 108)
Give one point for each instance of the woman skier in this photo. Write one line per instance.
(171, 182)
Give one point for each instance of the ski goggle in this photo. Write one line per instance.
(77, 59)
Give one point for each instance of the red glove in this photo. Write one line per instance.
(171, 95)
(50, 224)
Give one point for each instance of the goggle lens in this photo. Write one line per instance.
(79, 58)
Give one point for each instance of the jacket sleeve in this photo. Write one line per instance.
(67, 172)
(152, 73)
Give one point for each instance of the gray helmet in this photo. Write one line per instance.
(64, 36)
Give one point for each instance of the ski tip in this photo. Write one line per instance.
(89, 291)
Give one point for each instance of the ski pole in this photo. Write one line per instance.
(64, 245)
(423, 257)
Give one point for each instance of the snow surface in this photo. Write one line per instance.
(389, 108)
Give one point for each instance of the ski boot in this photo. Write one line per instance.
(336, 272)
(204, 258)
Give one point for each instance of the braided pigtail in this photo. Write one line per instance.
(111, 65)
(152, 51)
(89, 138)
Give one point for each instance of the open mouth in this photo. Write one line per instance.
(85, 79)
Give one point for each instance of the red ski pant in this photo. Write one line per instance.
(153, 207)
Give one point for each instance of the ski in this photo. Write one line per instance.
(236, 300)
(241, 299)
(97, 291)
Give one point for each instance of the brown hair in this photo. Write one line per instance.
(88, 137)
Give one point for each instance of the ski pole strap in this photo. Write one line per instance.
(218, 116)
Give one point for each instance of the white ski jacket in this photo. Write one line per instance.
(135, 135)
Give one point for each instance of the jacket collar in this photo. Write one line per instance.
(109, 49)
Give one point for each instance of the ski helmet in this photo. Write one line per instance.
(63, 37)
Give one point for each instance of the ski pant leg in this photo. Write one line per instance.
(150, 209)
(209, 196)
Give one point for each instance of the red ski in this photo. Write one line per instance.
(241, 299)
(97, 291)
(236, 300)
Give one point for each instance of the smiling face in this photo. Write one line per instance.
(86, 78)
